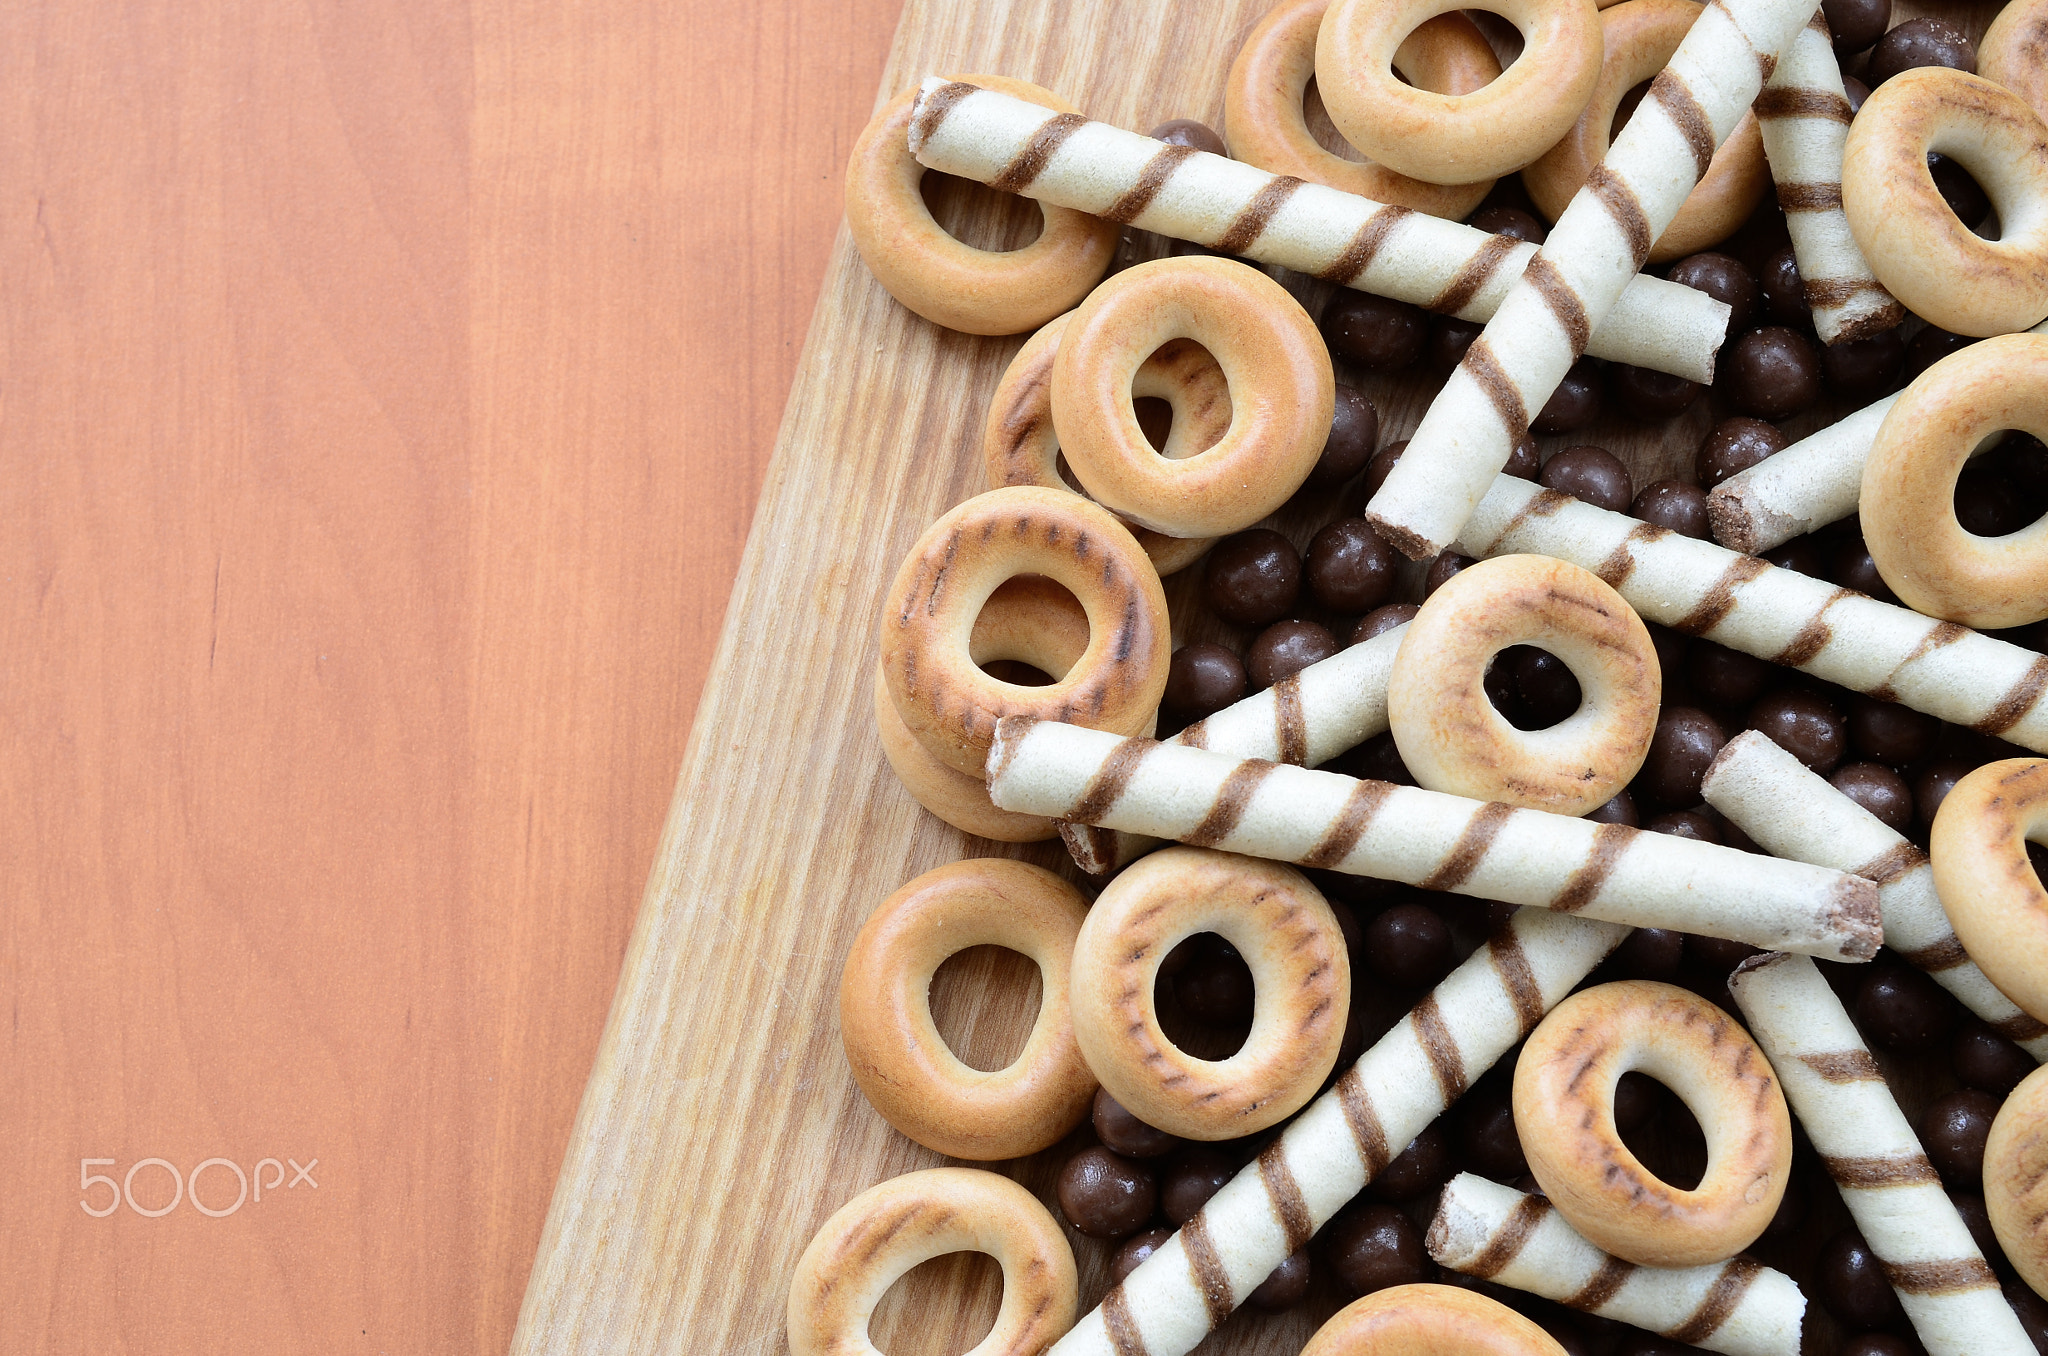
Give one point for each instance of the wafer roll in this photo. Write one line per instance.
(1702, 589)
(1946, 1287)
(1068, 161)
(1805, 116)
(1812, 483)
(1427, 838)
(1497, 1233)
(1792, 812)
(1598, 244)
(1274, 1206)
(1303, 720)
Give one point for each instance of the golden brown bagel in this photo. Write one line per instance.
(2016, 1179)
(1988, 888)
(1429, 1320)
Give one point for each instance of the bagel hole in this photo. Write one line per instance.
(1006, 656)
(1017, 673)
(1155, 419)
(979, 217)
(2037, 857)
(1156, 416)
(1503, 37)
(1660, 1130)
(984, 1001)
(1316, 117)
(940, 1307)
(1625, 109)
(1204, 997)
(1532, 688)
(1963, 194)
(2003, 488)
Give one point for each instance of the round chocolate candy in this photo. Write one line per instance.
(1879, 790)
(1252, 578)
(1124, 1133)
(1772, 373)
(1203, 679)
(1441, 569)
(1284, 1287)
(1855, 24)
(1920, 42)
(1354, 433)
(1106, 1195)
(1510, 221)
(1381, 620)
(1591, 474)
(1576, 401)
(1408, 945)
(1953, 1130)
(1190, 1178)
(1733, 445)
(1132, 1252)
(1376, 333)
(1852, 1285)
(1685, 742)
(1722, 277)
(1286, 648)
(1804, 724)
(1372, 1247)
(1858, 371)
(1886, 732)
(1902, 1009)
(1196, 136)
(1349, 567)
(1651, 395)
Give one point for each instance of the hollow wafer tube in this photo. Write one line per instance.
(1439, 842)
(1781, 615)
(1814, 482)
(1599, 243)
(1271, 1209)
(1793, 812)
(1804, 113)
(1497, 1233)
(1302, 720)
(1068, 161)
(1947, 1289)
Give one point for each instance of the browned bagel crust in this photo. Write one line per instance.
(1429, 1320)
(1988, 887)
(2016, 1179)
(2014, 52)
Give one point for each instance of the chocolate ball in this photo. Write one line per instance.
(1441, 569)
(1284, 1287)
(1856, 24)
(1648, 394)
(2032, 1312)
(1485, 1127)
(1879, 1344)
(1449, 337)
(1377, 759)
(1802, 554)
(1933, 784)
(1106, 1195)
(1548, 690)
(1215, 986)
(1408, 945)
(1619, 809)
(1734, 445)
(1417, 1170)
(1805, 725)
(1856, 92)
(1772, 373)
(1376, 333)
(1861, 370)
(1722, 277)
(1252, 578)
(1953, 1130)
(1649, 953)
(1349, 567)
(1988, 1061)
(1987, 503)
(1371, 1247)
(1929, 347)
(1718, 955)
(1196, 136)
(1879, 790)
(1886, 732)
(1901, 1009)
(1685, 824)
(1960, 190)
(1132, 1252)
(1686, 740)
(1203, 679)
(1190, 1178)
(1511, 221)
(1124, 1133)
(1920, 42)
(1591, 474)
(1785, 291)
(1576, 401)
(1852, 1285)
(1354, 433)
(1728, 677)
(1286, 648)
(1523, 463)
(1852, 566)
(1377, 469)
(1978, 1221)
(1381, 620)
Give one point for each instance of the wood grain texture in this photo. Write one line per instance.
(384, 388)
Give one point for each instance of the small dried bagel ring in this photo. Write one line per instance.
(1446, 727)
(2014, 52)
(1564, 1112)
(1932, 262)
(1456, 138)
(1021, 447)
(872, 1240)
(1908, 500)
(898, 1056)
(943, 279)
(1287, 934)
(1988, 888)
(945, 699)
(1282, 394)
(2016, 1179)
(1429, 1320)
(1265, 126)
(1640, 36)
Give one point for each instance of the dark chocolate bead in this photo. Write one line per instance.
(1124, 1133)
(1549, 692)
(1590, 474)
(1861, 370)
(1253, 578)
(1879, 1344)
(1354, 433)
(1717, 954)
(1953, 1130)
(1732, 834)
(1725, 677)
(1382, 463)
(1286, 648)
(1649, 953)
(1619, 810)
(1686, 740)
(1686, 824)
(1736, 445)
(1441, 569)
(1648, 394)
(1377, 759)
(1215, 988)
(1196, 136)
(1960, 190)
(1978, 1221)
(1409, 945)
(1512, 221)
(1381, 620)
(1636, 1098)
(1203, 679)
(1376, 333)
(1190, 1178)
(2032, 1312)
(1674, 506)
(1523, 463)
(1417, 1170)
(1785, 291)
(1106, 1195)
(1988, 1061)
(1879, 790)
(1852, 566)
(1930, 346)
(1920, 42)
(1576, 401)
(1886, 732)
(1449, 337)
(1132, 1252)
(1933, 784)
(1670, 646)
(1802, 554)
(1805, 725)
(1722, 277)
(1284, 1287)
(1349, 568)
(1371, 1247)
(1856, 24)
(1902, 1009)
(1856, 92)
(1485, 1124)
(1852, 1284)
(1772, 373)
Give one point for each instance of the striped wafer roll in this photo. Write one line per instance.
(1702, 589)
(1274, 1206)
(1812, 483)
(1599, 243)
(1426, 838)
(1947, 1288)
(1805, 118)
(1497, 1233)
(1068, 161)
(1302, 720)
(1792, 812)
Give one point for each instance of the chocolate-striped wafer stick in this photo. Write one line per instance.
(1426, 838)
(1497, 1233)
(1599, 243)
(1946, 1287)
(1068, 161)
(1812, 483)
(1792, 812)
(1302, 720)
(1271, 1209)
(1699, 588)
(1805, 117)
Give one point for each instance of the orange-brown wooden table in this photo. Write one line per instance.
(384, 391)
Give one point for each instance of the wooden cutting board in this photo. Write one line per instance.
(721, 1125)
